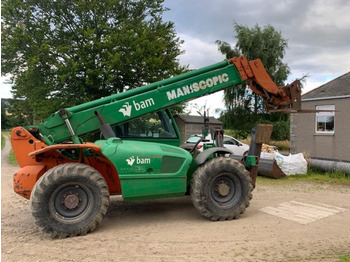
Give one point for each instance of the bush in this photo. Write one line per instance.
(280, 131)
(242, 123)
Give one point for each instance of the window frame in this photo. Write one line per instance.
(327, 114)
(232, 141)
(164, 119)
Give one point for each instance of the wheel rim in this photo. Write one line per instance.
(71, 201)
(226, 190)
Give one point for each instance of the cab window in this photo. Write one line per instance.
(153, 125)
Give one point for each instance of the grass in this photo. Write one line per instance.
(2, 141)
(12, 159)
(282, 145)
(345, 258)
(327, 177)
(313, 175)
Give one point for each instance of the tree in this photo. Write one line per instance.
(4, 120)
(62, 53)
(265, 43)
(244, 108)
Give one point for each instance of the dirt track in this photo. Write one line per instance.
(171, 229)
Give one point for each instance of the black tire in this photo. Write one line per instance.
(69, 200)
(221, 189)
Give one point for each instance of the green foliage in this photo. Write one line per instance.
(3, 141)
(232, 132)
(4, 119)
(281, 131)
(242, 104)
(243, 122)
(9, 120)
(63, 53)
(267, 44)
(178, 109)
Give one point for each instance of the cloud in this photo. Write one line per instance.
(198, 52)
(317, 32)
(328, 15)
(214, 103)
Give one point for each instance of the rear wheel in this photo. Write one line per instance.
(69, 200)
(221, 189)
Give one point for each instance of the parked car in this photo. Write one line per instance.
(234, 145)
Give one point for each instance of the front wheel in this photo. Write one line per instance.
(221, 189)
(69, 200)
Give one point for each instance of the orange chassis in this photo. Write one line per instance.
(35, 158)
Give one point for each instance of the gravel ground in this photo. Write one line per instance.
(172, 230)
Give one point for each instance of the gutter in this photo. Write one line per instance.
(324, 98)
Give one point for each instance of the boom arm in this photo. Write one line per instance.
(79, 120)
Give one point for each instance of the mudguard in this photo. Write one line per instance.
(202, 157)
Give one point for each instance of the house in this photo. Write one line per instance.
(189, 125)
(324, 135)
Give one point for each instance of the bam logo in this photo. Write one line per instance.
(126, 108)
(143, 104)
(140, 161)
(130, 160)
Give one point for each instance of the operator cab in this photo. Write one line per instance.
(153, 127)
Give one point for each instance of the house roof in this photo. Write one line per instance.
(338, 87)
(198, 119)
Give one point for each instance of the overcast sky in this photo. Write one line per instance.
(318, 33)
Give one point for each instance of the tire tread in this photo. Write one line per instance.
(199, 180)
(55, 175)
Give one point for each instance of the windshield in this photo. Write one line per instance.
(193, 139)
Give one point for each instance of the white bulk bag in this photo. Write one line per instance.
(291, 164)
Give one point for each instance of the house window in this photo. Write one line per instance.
(325, 120)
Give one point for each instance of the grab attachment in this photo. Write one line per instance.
(278, 99)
